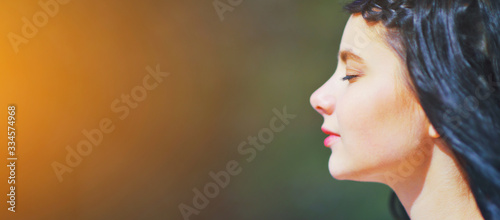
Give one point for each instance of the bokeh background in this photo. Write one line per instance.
(225, 79)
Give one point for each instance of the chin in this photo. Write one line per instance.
(340, 169)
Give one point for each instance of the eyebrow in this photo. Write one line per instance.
(349, 54)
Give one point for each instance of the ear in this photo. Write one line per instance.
(432, 132)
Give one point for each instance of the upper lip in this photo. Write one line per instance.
(326, 131)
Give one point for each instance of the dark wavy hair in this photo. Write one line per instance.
(452, 52)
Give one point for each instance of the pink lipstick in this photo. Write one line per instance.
(332, 138)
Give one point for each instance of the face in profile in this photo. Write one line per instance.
(372, 119)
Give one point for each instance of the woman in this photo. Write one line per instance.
(415, 104)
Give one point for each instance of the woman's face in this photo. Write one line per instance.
(378, 121)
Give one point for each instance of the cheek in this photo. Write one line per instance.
(372, 123)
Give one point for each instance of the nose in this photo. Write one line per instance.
(322, 101)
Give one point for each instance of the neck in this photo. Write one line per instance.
(437, 190)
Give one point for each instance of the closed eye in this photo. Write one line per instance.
(349, 77)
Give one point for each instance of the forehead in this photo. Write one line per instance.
(359, 35)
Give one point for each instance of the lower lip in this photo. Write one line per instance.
(331, 140)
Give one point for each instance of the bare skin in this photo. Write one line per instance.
(385, 135)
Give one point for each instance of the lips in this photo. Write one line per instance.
(332, 138)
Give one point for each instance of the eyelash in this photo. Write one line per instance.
(349, 77)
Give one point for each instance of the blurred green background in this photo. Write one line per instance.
(270, 54)
(226, 77)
